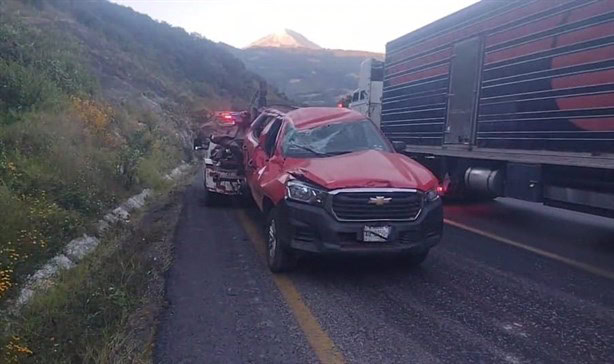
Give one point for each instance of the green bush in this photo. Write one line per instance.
(37, 69)
(23, 89)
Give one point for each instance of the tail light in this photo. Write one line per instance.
(226, 118)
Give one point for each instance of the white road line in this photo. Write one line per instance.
(582, 266)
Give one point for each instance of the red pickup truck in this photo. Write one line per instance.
(329, 181)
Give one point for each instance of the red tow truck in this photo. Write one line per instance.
(330, 182)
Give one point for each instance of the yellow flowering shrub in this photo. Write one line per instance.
(14, 350)
(30, 221)
(96, 115)
(6, 279)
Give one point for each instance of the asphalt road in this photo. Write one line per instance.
(525, 284)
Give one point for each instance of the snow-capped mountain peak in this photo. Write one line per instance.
(284, 39)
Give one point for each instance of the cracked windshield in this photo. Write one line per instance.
(333, 139)
(287, 181)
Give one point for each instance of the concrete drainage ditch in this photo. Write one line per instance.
(80, 247)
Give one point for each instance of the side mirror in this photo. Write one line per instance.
(399, 146)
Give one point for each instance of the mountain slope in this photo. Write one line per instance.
(96, 102)
(157, 56)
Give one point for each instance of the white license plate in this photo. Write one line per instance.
(374, 234)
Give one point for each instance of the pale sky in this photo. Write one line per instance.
(357, 25)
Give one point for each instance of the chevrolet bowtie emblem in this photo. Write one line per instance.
(379, 200)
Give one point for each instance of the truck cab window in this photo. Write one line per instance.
(363, 94)
(355, 96)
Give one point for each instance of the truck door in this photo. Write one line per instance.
(251, 144)
(259, 158)
(464, 86)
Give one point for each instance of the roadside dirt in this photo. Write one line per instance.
(223, 306)
(104, 310)
(157, 226)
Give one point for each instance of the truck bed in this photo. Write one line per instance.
(531, 76)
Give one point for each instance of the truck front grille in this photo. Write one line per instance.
(376, 205)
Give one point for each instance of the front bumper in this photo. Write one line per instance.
(314, 229)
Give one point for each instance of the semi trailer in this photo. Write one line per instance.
(510, 99)
(367, 99)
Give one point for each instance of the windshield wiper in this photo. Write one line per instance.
(340, 152)
(325, 154)
(312, 151)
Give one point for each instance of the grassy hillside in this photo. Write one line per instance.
(316, 77)
(96, 102)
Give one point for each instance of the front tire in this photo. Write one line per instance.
(279, 259)
(415, 259)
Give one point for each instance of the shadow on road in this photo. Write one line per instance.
(356, 266)
(336, 265)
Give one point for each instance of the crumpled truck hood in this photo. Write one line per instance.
(369, 168)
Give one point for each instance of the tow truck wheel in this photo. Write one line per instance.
(278, 258)
(210, 198)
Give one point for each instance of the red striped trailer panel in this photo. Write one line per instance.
(522, 9)
(544, 78)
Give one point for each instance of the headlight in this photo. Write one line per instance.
(303, 192)
(431, 195)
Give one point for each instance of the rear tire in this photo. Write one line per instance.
(246, 198)
(279, 259)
